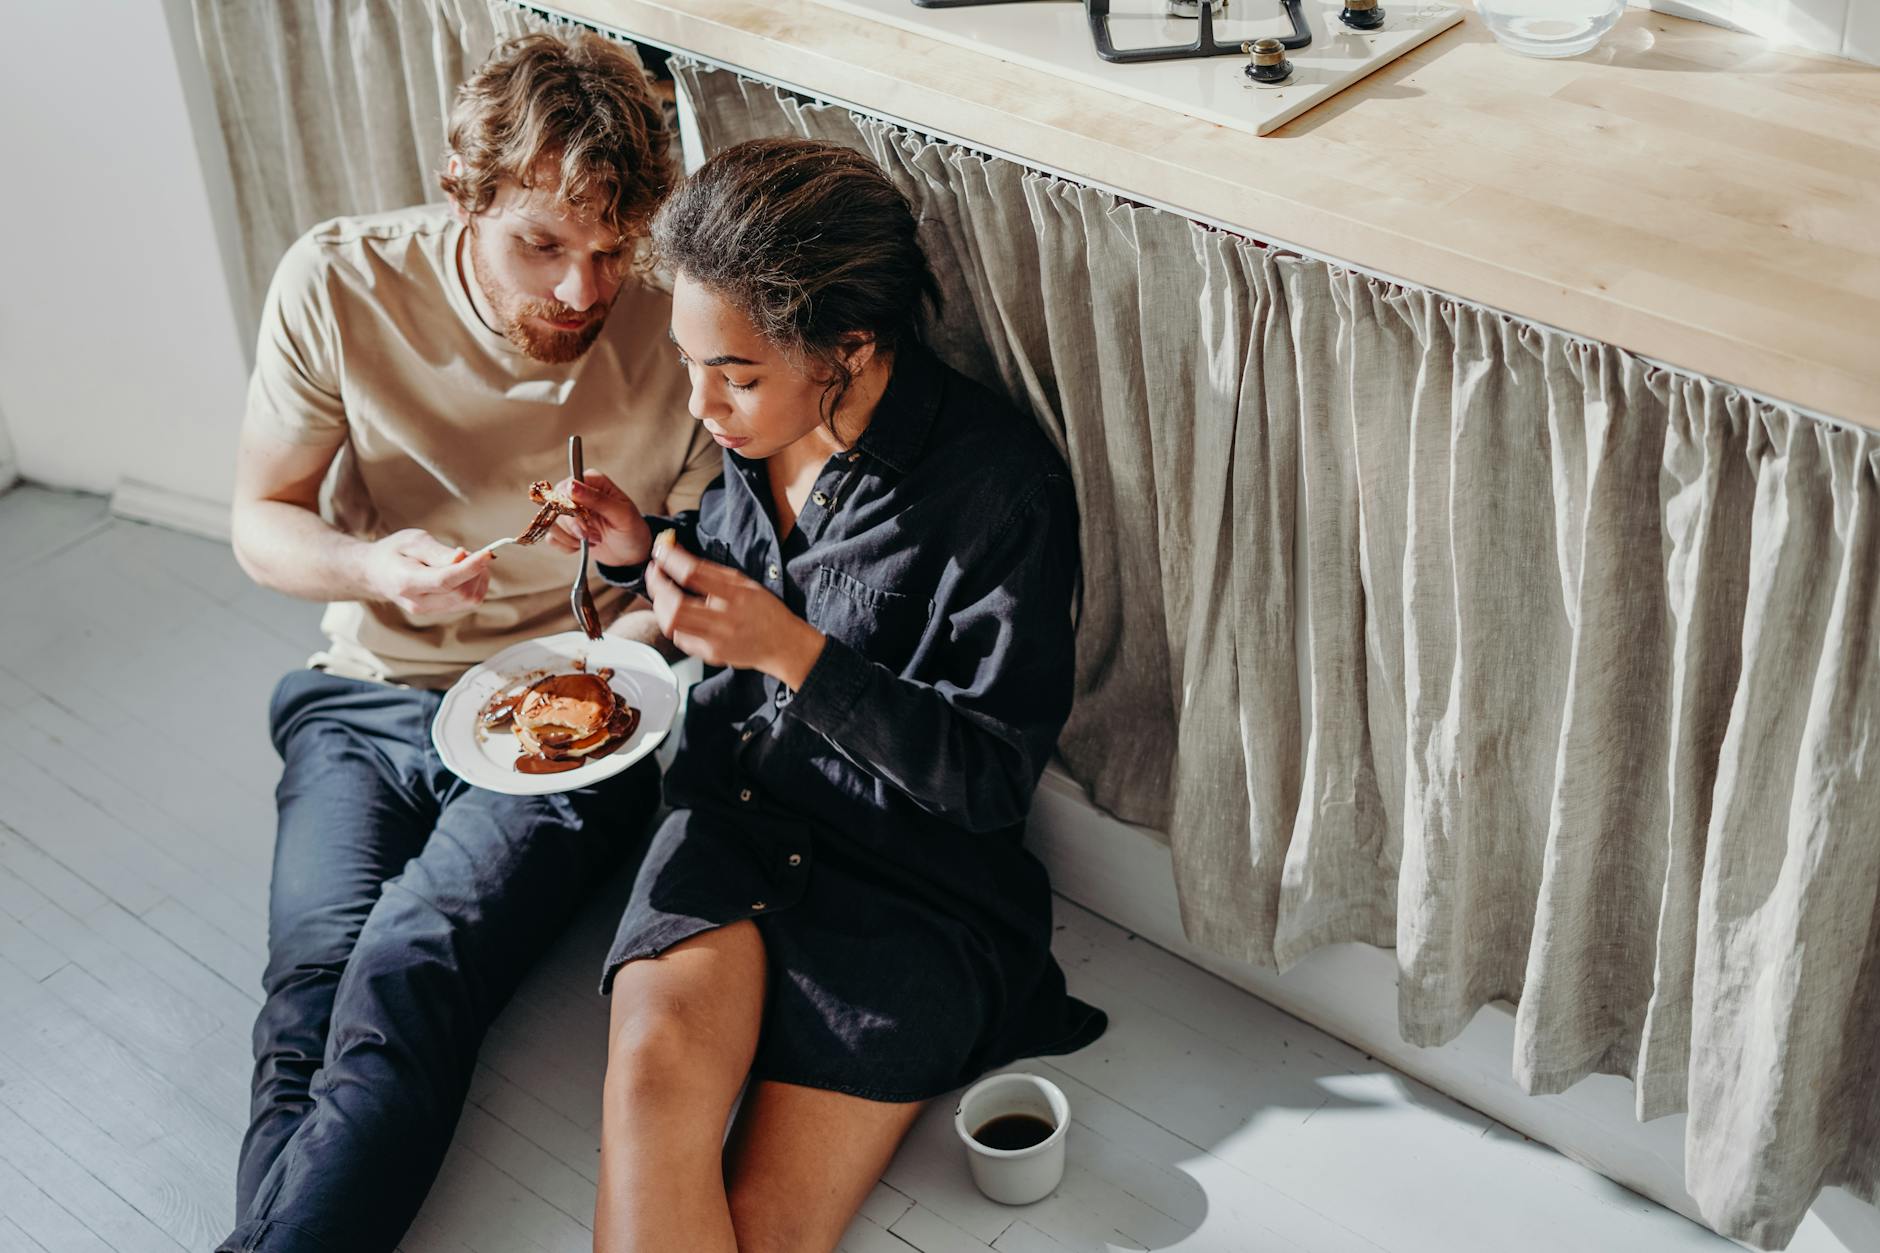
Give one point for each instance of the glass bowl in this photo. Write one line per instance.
(1549, 28)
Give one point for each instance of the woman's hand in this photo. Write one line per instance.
(725, 618)
(619, 536)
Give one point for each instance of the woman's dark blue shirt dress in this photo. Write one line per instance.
(871, 822)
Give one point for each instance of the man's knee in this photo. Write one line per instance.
(314, 939)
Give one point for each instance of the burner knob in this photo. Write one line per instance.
(1362, 14)
(1269, 60)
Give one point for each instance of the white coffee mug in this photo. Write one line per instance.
(1014, 1176)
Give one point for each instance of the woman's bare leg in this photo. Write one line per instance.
(801, 1161)
(684, 1030)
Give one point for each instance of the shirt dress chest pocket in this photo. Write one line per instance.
(882, 626)
(714, 549)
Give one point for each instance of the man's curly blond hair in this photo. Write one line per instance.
(567, 114)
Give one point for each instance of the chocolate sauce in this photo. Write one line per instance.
(631, 722)
(526, 764)
(501, 709)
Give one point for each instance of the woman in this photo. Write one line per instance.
(839, 906)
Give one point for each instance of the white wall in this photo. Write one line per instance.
(9, 472)
(120, 357)
(1846, 28)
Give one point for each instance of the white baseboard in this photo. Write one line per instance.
(1349, 991)
(145, 502)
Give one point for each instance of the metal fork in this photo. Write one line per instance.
(579, 597)
(493, 545)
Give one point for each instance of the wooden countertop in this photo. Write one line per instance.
(1682, 191)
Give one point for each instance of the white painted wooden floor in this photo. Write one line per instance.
(133, 872)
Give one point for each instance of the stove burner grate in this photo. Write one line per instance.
(1203, 11)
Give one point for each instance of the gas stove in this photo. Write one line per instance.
(1358, 13)
(1248, 64)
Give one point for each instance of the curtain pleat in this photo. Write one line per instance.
(1412, 624)
(1345, 847)
(1708, 490)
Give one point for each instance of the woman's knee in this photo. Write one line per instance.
(652, 1052)
(685, 1024)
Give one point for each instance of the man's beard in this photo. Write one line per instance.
(552, 347)
(536, 341)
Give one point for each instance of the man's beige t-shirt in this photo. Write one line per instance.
(370, 345)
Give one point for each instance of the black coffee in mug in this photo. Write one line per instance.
(1014, 1131)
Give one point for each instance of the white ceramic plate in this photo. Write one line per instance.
(488, 760)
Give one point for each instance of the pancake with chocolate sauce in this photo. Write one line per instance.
(562, 720)
(553, 505)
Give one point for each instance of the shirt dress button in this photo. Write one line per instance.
(758, 905)
(771, 572)
(854, 457)
(746, 736)
(744, 794)
(783, 697)
(796, 859)
(821, 498)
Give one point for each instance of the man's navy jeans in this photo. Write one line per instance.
(405, 907)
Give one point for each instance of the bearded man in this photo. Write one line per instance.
(416, 372)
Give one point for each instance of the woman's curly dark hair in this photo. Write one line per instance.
(811, 242)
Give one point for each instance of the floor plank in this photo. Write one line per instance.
(18, 898)
(143, 1198)
(38, 1221)
(132, 934)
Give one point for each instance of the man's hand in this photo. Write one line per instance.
(619, 536)
(725, 618)
(424, 577)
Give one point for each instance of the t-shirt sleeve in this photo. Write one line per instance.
(703, 463)
(294, 394)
